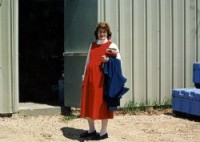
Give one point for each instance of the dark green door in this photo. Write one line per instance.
(80, 19)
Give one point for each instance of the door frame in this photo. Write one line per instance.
(15, 53)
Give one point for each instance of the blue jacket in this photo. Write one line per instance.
(113, 83)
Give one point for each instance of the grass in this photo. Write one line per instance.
(132, 106)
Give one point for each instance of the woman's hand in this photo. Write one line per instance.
(104, 58)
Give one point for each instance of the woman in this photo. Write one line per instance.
(93, 106)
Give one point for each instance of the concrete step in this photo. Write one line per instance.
(35, 109)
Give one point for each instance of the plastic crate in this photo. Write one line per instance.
(186, 100)
(180, 100)
(194, 102)
(196, 73)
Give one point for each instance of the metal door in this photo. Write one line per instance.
(80, 19)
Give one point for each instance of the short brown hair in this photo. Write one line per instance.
(104, 26)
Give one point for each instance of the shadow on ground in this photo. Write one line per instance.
(184, 116)
(72, 133)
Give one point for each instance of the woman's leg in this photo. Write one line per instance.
(91, 131)
(91, 125)
(103, 133)
(104, 124)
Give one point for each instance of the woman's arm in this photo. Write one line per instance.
(86, 62)
(113, 46)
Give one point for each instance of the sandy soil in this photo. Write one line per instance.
(144, 127)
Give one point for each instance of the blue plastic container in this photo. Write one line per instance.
(196, 73)
(186, 100)
(194, 102)
(180, 100)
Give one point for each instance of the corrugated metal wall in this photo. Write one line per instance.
(158, 40)
(9, 56)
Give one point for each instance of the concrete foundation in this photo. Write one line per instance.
(33, 109)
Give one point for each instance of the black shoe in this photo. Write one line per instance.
(86, 134)
(98, 137)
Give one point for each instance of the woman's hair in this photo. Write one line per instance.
(105, 26)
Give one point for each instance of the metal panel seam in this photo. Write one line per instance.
(184, 42)
(172, 13)
(146, 50)
(133, 86)
(197, 30)
(159, 40)
(119, 10)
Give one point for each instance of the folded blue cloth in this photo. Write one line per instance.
(113, 83)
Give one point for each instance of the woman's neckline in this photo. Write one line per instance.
(99, 42)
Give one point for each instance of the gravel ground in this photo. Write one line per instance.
(142, 127)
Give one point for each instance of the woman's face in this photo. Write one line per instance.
(102, 34)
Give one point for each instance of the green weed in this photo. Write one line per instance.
(143, 106)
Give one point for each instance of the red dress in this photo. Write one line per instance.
(92, 103)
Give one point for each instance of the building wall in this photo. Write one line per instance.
(8, 57)
(158, 41)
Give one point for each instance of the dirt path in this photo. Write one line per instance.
(123, 128)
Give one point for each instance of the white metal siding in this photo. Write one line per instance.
(1, 34)
(1, 84)
(178, 43)
(158, 40)
(15, 56)
(190, 39)
(9, 58)
(198, 31)
(153, 73)
(165, 48)
(5, 30)
(1, 89)
(139, 51)
(126, 34)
